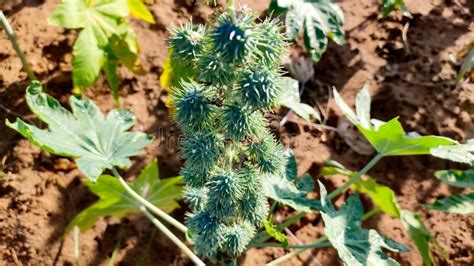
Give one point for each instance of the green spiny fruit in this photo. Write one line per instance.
(258, 88)
(193, 110)
(196, 198)
(186, 41)
(253, 206)
(234, 35)
(193, 177)
(269, 155)
(237, 122)
(201, 150)
(225, 193)
(207, 232)
(227, 145)
(271, 44)
(213, 69)
(237, 237)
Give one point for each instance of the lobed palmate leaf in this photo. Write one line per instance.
(114, 200)
(458, 203)
(106, 39)
(287, 189)
(319, 20)
(388, 138)
(385, 198)
(354, 244)
(95, 142)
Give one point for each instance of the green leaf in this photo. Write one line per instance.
(354, 244)
(314, 39)
(273, 231)
(389, 5)
(385, 199)
(461, 153)
(294, 21)
(140, 11)
(391, 140)
(458, 203)
(106, 35)
(96, 142)
(115, 201)
(457, 178)
(388, 138)
(291, 99)
(290, 190)
(110, 70)
(334, 168)
(383, 196)
(363, 107)
(125, 48)
(175, 72)
(87, 60)
(418, 233)
(319, 19)
(69, 14)
(79, 13)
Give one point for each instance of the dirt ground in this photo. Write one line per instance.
(409, 77)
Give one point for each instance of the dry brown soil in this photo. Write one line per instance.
(411, 78)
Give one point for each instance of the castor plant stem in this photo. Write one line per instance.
(157, 211)
(12, 37)
(306, 246)
(356, 176)
(172, 237)
(146, 205)
(77, 258)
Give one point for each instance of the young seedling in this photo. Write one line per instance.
(97, 143)
(319, 20)
(389, 139)
(106, 39)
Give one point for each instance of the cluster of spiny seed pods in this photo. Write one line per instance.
(220, 109)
